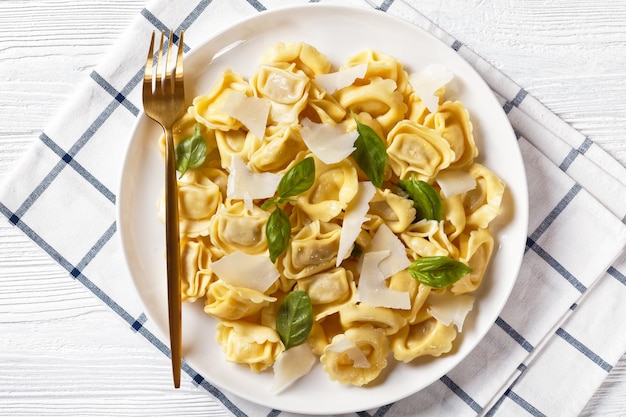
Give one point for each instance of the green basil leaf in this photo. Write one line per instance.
(277, 231)
(370, 153)
(294, 319)
(426, 199)
(190, 153)
(438, 271)
(297, 180)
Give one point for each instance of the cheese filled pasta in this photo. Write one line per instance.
(338, 207)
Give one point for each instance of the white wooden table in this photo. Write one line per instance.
(63, 352)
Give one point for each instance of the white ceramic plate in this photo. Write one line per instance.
(338, 32)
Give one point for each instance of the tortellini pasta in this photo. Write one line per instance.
(353, 338)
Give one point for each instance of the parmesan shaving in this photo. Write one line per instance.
(447, 308)
(340, 79)
(354, 218)
(453, 182)
(292, 365)
(372, 288)
(329, 143)
(245, 184)
(353, 352)
(252, 112)
(385, 239)
(240, 269)
(428, 81)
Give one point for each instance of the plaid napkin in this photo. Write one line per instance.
(559, 335)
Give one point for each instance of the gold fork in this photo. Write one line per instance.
(164, 102)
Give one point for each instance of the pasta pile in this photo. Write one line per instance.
(421, 145)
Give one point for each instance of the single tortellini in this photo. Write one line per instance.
(418, 111)
(374, 346)
(278, 150)
(334, 187)
(482, 204)
(322, 107)
(475, 251)
(207, 109)
(379, 98)
(228, 302)
(329, 290)
(428, 337)
(386, 319)
(403, 281)
(234, 228)
(397, 212)
(453, 216)
(419, 150)
(249, 344)
(312, 250)
(287, 89)
(305, 57)
(453, 122)
(383, 66)
(241, 143)
(195, 269)
(322, 333)
(197, 203)
(421, 239)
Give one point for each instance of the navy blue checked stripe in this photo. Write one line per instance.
(456, 45)
(135, 323)
(461, 394)
(93, 251)
(595, 358)
(68, 159)
(514, 334)
(574, 153)
(555, 212)
(138, 324)
(492, 411)
(386, 5)
(201, 382)
(617, 275)
(273, 413)
(379, 413)
(257, 5)
(531, 241)
(516, 102)
(524, 404)
(118, 95)
(556, 265)
(187, 22)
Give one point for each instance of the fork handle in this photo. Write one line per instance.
(172, 240)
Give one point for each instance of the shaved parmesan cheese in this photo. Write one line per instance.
(428, 81)
(329, 143)
(245, 184)
(340, 79)
(353, 352)
(453, 182)
(240, 269)
(447, 308)
(354, 218)
(248, 203)
(385, 239)
(372, 289)
(251, 111)
(292, 365)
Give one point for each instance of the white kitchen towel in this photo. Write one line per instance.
(556, 340)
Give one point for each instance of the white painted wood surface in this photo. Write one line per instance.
(62, 352)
